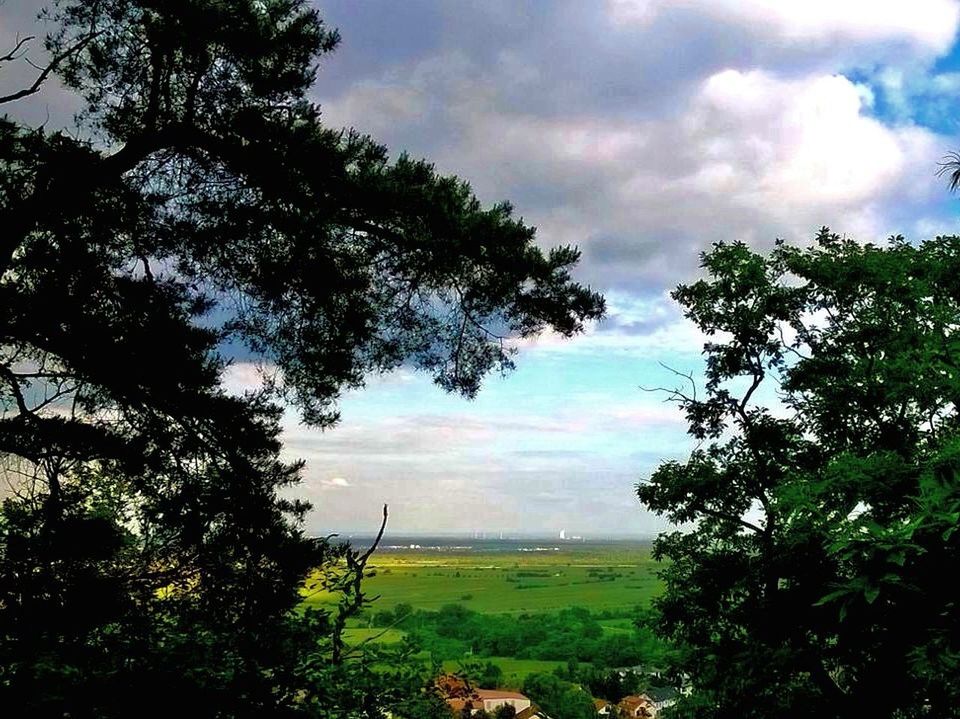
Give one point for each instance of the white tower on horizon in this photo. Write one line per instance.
(563, 534)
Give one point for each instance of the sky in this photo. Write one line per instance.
(641, 131)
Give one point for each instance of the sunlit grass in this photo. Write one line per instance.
(601, 581)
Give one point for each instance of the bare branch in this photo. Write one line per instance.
(688, 377)
(352, 592)
(12, 55)
(675, 395)
(376, 542)
(51, 66)
(724, 516)
(787, 346)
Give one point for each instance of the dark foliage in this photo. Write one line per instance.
(479, 673)
(149, 564)
(814, 580)
(569, 635)
(559, 698)
(611, 685)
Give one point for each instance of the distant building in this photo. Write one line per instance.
(489, 700)
(637, 706)
(662, 697)
(460, 695)
(563, 534)
(604, 708)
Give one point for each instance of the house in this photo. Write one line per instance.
(493, 699)
(532, 712)
(604, 708)
(637, 706)
(460, 696)
(662, 697)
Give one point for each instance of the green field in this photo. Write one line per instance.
(610, 581)
(601, 579)
(355, 635)
(514, 670)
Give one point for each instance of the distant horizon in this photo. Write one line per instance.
(488, 536)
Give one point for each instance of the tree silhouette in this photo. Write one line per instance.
(203, 212)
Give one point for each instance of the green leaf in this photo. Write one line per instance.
(832, 596)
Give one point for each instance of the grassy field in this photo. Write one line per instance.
(514, 670)
(356, 635)
(601, 579)
(609, 580)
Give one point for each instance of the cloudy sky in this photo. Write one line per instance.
(642, 131)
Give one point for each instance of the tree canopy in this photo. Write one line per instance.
(822, 501)
(201, 211)
(559, 698)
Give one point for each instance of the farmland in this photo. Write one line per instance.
(604, 577)
(606, 584)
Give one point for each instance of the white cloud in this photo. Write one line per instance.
(790, 145)
(927, 24)
(751, 155)
(497, 463)
(241, 377)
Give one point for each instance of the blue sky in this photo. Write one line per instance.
(641, 131)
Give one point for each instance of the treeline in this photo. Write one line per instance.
(559, 698)
(605, 683)
(571, 635)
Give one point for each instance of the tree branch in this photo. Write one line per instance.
(717, 514)
(45, 72)
(12, 55)
(353, 598)
(14, 384)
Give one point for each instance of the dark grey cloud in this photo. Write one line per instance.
(567, 58)
(749, 155)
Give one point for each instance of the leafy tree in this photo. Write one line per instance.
(571, 635)
(485, 675)
(611, 685)
(822, 511)
(558, 698)
(200, 210)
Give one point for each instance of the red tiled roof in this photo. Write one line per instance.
(457, 705)
(635, 701)
(461, 695)
(498, 694)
